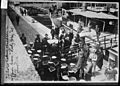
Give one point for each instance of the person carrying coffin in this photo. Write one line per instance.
(23, 39)
(52, 71)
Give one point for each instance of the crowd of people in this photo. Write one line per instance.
(70, 58)
(23, 11)
(66, 56)
(54, 11)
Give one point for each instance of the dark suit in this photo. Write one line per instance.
(23, 39)
(52, 33)
(17, 19)
(100, 59)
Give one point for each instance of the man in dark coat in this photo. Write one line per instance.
(44, 40)
(52, 33)
(70, 35)
(17, 19)
(37, 38)
(21, 11)
(100, 58)
(23, 39)
(25, 12)
(45, 44)
(37, 43)
(57, 31)
(67, 43)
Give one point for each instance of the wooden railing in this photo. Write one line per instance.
(105, 41)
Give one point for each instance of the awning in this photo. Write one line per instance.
(91, 14)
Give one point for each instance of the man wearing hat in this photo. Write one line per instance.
(37, 44)
(45, 43)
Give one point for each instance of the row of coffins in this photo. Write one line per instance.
(55, 66)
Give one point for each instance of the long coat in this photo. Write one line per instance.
(100, 59)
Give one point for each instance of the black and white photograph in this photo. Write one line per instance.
(59, 41)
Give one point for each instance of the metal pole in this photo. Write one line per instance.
(103, 25)
(104, 42)
(74, 18)
(86, 21)
(111, 42)
(115, 39)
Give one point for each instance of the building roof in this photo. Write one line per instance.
(91, 14)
